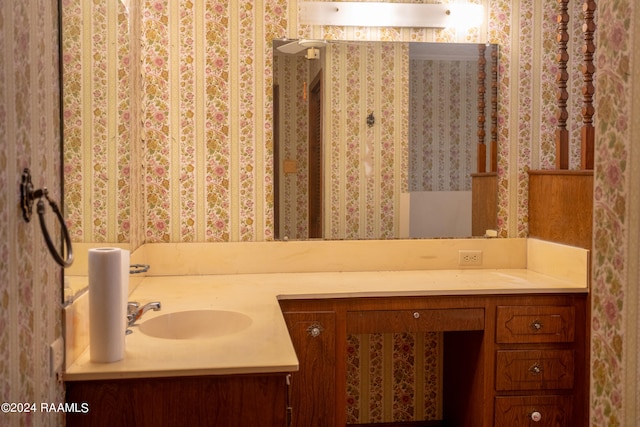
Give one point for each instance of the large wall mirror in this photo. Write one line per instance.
(378, 140)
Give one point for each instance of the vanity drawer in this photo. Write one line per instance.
(449, 319)
(542, 411)
(534, 369)
(535, 324)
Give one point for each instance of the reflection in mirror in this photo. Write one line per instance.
(377, 140)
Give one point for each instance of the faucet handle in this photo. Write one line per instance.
(132, 307)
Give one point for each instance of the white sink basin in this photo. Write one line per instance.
(195, 324)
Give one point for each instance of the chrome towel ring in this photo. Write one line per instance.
(27, 197)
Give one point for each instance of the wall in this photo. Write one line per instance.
(394, 377)
(103, 155)
(615, 372)
(216, 184)
(526, 33)
(213, 62)
(203, 170)
(30, 281)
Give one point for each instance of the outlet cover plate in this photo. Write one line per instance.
(468, 258)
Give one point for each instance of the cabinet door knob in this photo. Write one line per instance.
(315, 330)
(416, 315)
(536, 416)
(536, 325)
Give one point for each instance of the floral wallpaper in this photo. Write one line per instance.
(394, 377)
(30, 280)
(199, 122)
(196, 185)
(615, 379)
(195, 61)
(205, 102)
(97, 119)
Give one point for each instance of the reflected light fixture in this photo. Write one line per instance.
(380, 14)
(465, 15)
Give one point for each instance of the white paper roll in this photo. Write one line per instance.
(108, 293)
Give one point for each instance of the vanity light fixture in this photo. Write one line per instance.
(380, 14)
(465, 15)
(296, 46)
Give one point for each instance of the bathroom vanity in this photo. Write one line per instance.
(513, 347)
(524, 353)
(508, 360)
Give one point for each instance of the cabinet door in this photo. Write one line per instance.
(220, 401)
(313, 387)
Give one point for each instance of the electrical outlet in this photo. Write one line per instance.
(56, 356)
(469, 257)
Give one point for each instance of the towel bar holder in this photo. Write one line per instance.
(27, 196)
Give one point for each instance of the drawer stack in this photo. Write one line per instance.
(507, 360)
(535, 364)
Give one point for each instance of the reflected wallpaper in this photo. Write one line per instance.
(365, 167)
(443, 124)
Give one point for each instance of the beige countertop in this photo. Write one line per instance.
(265, 345)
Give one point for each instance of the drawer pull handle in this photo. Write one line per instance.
(315, 330)
(536, 325)
(536, 416)
(416, 315)
(535, 369)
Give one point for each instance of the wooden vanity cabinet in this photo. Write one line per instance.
(221, 401)
(507, 359)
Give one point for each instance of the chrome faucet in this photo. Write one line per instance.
(134, 311)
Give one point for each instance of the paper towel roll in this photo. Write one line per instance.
(108, 293)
